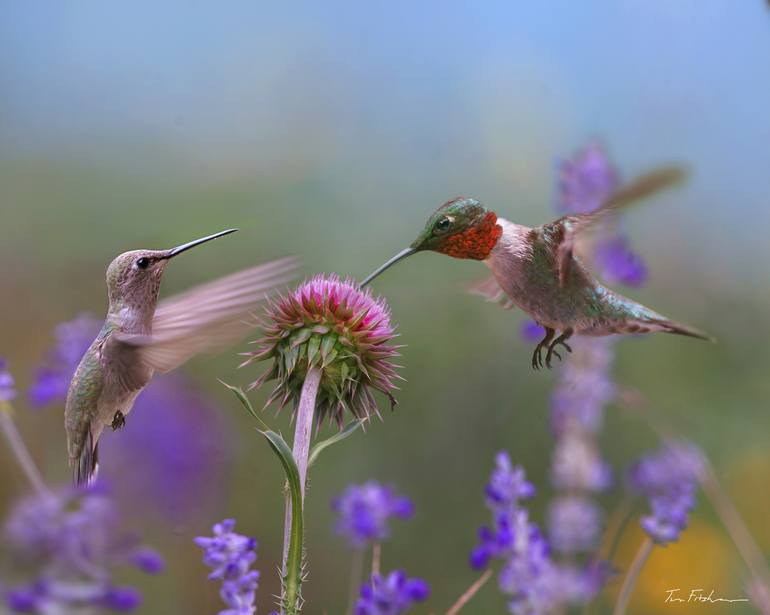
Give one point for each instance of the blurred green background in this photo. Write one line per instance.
(331, 131)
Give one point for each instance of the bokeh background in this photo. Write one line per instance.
(331, 130)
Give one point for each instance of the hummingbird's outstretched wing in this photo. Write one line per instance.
(209, 317)
(491, 291)
(642, 187)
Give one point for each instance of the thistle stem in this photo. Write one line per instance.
(301, 450)
(469, 593)
(629, 583)
(22, 454)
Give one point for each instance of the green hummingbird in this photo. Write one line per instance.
(537, 269)
(141, 337)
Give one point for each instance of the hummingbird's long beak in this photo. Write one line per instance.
(398, 257)
(191, 244)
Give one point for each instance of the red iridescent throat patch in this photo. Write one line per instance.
(476, 242)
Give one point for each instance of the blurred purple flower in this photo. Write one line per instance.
(574, 524)
(72, 542)
(530, 331)
(577, 465)
(176, 428)
(53, 377)
(391, 595)
(535, 583)
(175, 444)
(7, 383)
(668, 479)
(618, 263)
(585, 181)
(365, 510)
(230, 556)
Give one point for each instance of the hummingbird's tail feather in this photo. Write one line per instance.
(669, 326)
(86, 465)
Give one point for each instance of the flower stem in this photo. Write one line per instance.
(731, 519)
(356, 568)
(469, 593)
(20, 450)
(632, 576)
(376, 557)
(292, 534)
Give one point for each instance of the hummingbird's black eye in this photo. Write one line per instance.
(443, 224)
(143, 263)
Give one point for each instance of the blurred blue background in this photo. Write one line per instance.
(331, 130)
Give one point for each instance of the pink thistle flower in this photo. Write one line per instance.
(333, 325)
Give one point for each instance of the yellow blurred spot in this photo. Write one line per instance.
(747, 483)
(702, 559)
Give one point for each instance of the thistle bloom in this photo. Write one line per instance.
(535, 583)
(72, 543)
(393, 594)
(7, 383)
(668, 479)
(333, 325)
(230, 556)
(365, 510)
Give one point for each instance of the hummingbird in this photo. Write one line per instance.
(538, 270)
(141, 337)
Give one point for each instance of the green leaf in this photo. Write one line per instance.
(349, 429)
(292, 582)
(238, 392)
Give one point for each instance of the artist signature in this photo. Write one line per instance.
(697, 595)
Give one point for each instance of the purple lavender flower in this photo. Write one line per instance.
(230, 556)
(391, 595)
(53, 378)
(577, 465)
(618, 263)
(365, 510)
(531, 331)
(668, 479)
(184, 454)
(334, 325)
(574, 523)
(7, 383)
(529, 575)
(586, 180)
(71, 543)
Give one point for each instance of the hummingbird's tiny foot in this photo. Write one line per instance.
(118, 421)
(537, 355)
(561, 340)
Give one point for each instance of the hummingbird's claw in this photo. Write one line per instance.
(562, 339)
(537, 356)
(118, 421)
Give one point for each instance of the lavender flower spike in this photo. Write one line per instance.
(393, 594)
(230, 556)
(7, 384)
(668, 478)
(75, 541)
(364, 512)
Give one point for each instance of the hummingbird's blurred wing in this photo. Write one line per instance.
(209, 317)
(642, 187)
(491, 291)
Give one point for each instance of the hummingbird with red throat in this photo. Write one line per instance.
(141, 337)
(538, 270)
